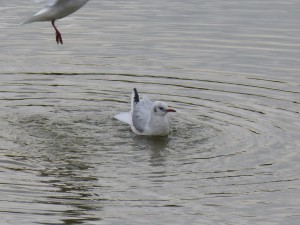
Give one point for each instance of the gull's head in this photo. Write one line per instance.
(161, 108)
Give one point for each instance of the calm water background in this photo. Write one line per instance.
(231, 70)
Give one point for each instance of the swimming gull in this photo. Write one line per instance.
(147, 117)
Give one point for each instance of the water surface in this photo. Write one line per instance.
(229, 68)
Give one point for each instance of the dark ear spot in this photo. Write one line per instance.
(155, 110)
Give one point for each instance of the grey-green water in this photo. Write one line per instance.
(229, 68)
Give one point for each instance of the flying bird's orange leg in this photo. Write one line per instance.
(58, 34)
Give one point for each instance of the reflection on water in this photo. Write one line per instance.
(156, 147)
(229, 68)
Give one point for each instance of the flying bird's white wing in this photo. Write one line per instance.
(49, 2)
(56, 9)
(38, 16)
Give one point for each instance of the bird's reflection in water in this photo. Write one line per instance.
(156, 146)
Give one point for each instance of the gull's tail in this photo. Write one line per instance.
(30, 20)
(40, 16)
(125, 117)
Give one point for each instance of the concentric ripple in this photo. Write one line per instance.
(228, 140)
(229, 68)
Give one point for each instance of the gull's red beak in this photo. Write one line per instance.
(170, 110)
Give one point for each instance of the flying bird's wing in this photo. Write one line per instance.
(56, 9)
(49, 2)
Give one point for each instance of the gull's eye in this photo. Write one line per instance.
(161, 108)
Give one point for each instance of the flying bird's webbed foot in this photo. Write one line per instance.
(57, 33)
(58, 38)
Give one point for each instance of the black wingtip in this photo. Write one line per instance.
(136, 95)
